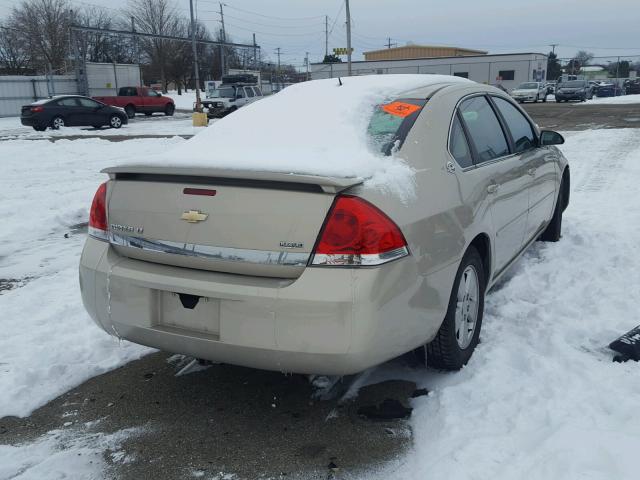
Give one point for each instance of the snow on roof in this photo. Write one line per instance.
(313, 128)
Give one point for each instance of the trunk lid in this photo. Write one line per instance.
(249, 223)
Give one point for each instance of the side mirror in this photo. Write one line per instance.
(549, 137)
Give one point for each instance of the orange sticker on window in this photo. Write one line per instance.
(400, 109)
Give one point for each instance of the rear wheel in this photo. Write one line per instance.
(544, 98)
(169, 109)
(115, 121)
(57, 123)
(553, 232)
(130, 110)
(459, 333)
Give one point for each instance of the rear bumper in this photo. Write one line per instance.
(328, 321)
(29, 121)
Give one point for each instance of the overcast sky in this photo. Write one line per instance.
(604, 27)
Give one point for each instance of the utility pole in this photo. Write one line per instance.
(346, 3)
(553, 47)
(255, 53)
(224, 39)
(306, 62)
(195, 57)
(617, 75)
(278, 70)
(389, 44)
(326, 35)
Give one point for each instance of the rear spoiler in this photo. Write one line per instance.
(245, 178)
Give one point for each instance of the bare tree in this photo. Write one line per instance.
(44, 29)
(158, 17)
(14, 57)
(103, 47)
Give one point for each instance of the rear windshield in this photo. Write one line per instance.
(528, 86)
(391, 122)
(574, 83)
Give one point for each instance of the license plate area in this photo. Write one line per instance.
(178, 311)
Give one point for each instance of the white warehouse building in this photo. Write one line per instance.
(508, 69)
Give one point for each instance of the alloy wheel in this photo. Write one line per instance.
(467, 307)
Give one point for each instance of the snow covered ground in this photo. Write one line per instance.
(157, 124)
(541, 398)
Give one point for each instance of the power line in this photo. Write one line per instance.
(263, 15)
(274, 34)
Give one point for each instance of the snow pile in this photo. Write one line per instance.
(622, 100)
(48, 343)
(314, 128)
(541, 397)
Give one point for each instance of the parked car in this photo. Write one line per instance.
(71, 111)
(574, 90)
(288, 269)
(140, 100)
(631, 86)
(235, 92)
(604, 89)
(530, 92)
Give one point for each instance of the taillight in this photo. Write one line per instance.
(36, 109)
(358, 233)
(98, 227)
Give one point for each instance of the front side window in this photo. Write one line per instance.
(68, 102)
(152, 93)
(391, 122)
(240, 93)
(88, 103)
(249, 91)
(484, 129)
(224, 92)
(458, 145)
(521, 131)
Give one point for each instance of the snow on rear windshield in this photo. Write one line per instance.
(312, 128)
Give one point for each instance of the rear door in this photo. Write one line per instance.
(69, 108)
(503, 176)
(539, 163)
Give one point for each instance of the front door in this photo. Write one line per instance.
(503, 177)
(538, 163)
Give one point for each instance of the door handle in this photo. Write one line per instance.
(532, 172)
(493, 188)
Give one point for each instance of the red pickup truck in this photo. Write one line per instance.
(140, 99)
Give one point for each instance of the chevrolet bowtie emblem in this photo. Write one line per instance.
(194, 216)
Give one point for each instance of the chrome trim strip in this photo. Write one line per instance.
(226, 254)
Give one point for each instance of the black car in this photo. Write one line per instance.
(607, 90)
(573, 90)
(632, 86)
(71, 111)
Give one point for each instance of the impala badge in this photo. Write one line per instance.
(194, 216)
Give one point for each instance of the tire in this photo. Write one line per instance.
(544, 99)
(535, 100)
(452, 348)
(169, 110)
(553, 232)
(57, 123)
(130, 110)
(115, 121)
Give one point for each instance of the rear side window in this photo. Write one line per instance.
(86, 102)
(127, 92)
(519, 126)
(258, 91)
(391, 123)
(484, 129)
(458, 145)
(249, 92)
